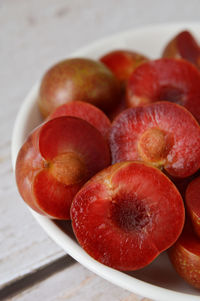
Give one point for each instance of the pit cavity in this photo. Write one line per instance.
(172, 94)
(128, 213)
(154, 145)
(68, 168)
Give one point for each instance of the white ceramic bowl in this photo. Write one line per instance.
(158, 281)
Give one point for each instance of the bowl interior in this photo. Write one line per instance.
(158, 281)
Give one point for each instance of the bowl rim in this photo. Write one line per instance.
(121, 279)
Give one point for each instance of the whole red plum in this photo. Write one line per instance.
(78, 79)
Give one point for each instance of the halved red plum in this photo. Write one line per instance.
(56, 160)
(166, 79)
(183, 45)
(127, 214)
(123, 62)
(192, 198)
(85, 111)
(162, 133)
(185, 256)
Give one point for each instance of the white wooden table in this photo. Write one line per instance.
(33, 35)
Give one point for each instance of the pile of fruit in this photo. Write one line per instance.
(119, 154)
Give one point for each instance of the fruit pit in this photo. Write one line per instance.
(129, 213)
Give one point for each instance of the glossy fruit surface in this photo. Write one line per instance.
(123, 62)
(85, 111)
(183, 45)
(127, 214)
(56, 160)
(192, 197)
(185, 256)
(166, 79)
(163, 134)
(78, 79)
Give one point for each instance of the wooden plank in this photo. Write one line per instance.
(24, 245)
(74, 284)
(35, 277)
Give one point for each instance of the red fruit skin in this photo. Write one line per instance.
(45, 180)
(192, 198)
(29, 162)
(182, 153)
(78, 79)
(183, 46)
(87, 112)
(165, 79)
(185, 256)
(122, 63)
(127, 214)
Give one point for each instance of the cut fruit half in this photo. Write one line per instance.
(127, 214)
(162, 133)
(173, 80)
(56, 160)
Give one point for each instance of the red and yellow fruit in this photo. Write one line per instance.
(85, 111)
(185, 256)
(56, 160)
(122, 63)
(166, 79)
(163, 134)
(78, 79)
(127, 214)
(183, 45)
